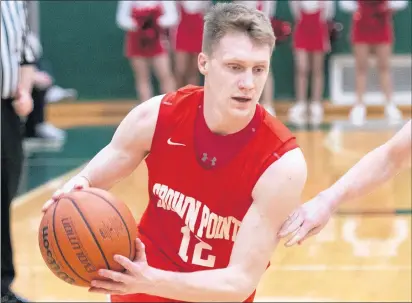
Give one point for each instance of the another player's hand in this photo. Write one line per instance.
(306, 221)
(23, 103)
(133, 280)
(76, 183)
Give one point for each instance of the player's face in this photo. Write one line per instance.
(235, 73)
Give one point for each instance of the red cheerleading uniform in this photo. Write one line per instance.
(146, 41)
(311, 32)
(372, 23)
(189, 32)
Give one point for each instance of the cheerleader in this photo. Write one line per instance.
(188, 40)
(268, 8)
(310, 42)
(372, 32)
(145, 23)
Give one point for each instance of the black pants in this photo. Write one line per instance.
(37, 115)
(11, 165)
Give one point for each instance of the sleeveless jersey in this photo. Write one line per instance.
(194, 213)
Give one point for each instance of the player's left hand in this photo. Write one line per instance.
(306, 221)
(133, 280)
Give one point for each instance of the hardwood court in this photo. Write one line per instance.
(364, 253)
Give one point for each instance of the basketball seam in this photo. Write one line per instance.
(58, 246)
(125, 225)
(91, 232)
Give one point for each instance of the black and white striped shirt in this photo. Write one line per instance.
(15, 48)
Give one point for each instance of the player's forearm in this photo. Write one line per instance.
(216, 285)
(108, 167)
(374, 169)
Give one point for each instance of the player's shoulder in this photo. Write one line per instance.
(276, 129)
(290, 171)
(169, 102)
(183, 95)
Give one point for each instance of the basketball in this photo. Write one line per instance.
(81, 233)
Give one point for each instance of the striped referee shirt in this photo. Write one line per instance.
(15, 47)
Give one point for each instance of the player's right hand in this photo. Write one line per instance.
(307, 220)
(76, 183)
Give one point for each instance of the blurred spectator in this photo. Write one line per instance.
(311, 41)
(268, 8)
(43, 85)
(372, 32)
(146, 23)
(188, 41)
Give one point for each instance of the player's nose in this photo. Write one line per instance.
(247, 81)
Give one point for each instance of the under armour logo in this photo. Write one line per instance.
(205, 157)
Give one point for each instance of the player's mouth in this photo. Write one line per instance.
(242, 99)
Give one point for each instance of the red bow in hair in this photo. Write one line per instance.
(282, 29)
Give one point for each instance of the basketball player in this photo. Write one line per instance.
(223, 174)
(369, 173)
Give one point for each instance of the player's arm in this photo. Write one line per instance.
(128, 147)
(374, 169)
(275, 195)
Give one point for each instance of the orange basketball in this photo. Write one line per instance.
(82, 231)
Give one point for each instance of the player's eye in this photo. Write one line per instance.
(259, 69)
(235, 67)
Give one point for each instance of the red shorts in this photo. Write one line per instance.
(368, 30)
(189, 33)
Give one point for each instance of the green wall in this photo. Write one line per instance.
(85, 46)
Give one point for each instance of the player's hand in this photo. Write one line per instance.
(306, 221)
(23, 103)
(134, 280)
(76, 183)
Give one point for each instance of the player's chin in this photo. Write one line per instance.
(242, 108)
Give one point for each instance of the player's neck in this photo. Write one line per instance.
(221, 123)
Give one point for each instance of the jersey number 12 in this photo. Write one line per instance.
(197, 254)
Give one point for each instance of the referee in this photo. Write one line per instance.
(17, 71)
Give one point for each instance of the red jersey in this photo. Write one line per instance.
(197, 205)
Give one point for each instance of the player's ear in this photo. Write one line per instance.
(202, 63)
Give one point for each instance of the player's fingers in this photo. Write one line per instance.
(287, 222)
(126, 263)
(57, 194)
(47, 205)
(140, 250)
(113, 275)
(311, 233)
(298, 235)
(108, 285)
(294, 222)
(97, 290)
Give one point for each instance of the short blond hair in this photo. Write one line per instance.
(224, 18)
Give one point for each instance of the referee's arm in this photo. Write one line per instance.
(28, 59)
